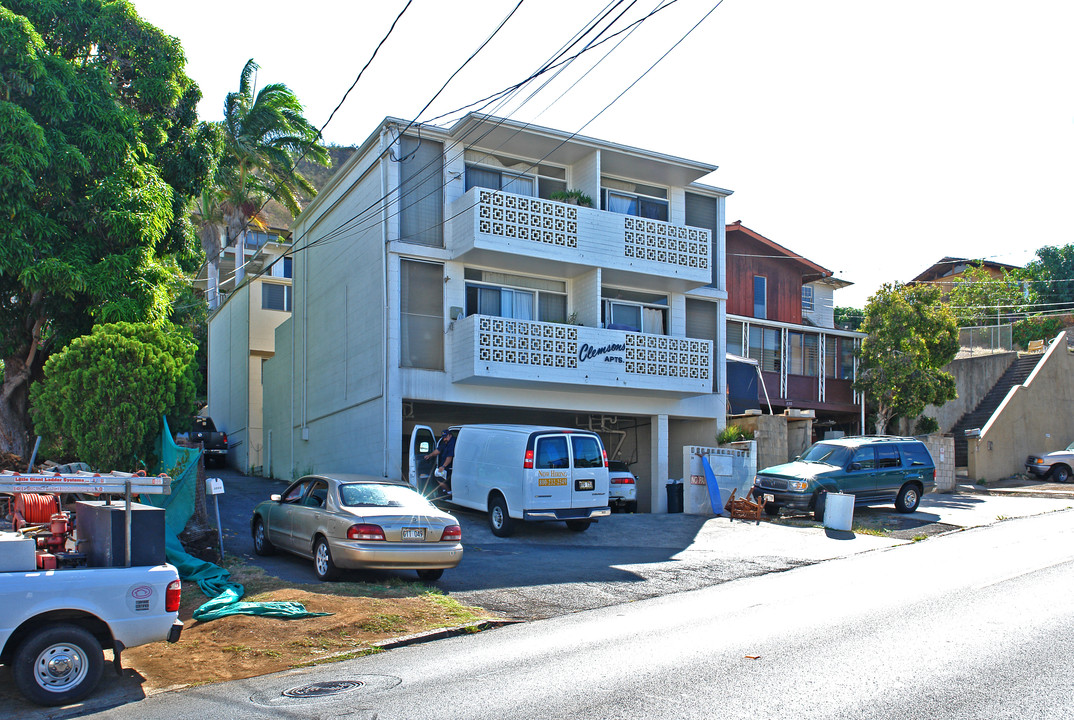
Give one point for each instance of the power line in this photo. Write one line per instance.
(339, 229)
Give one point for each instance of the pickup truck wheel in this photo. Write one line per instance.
(771, 510)
(1060, 473)
(430, 575)
(579, 525)
(322, 561)
(908, 498)
(262, 545)
(58, 665)
(499, 521)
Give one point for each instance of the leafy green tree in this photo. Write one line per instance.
(101, 154)
(265, 134)
(911, 336)
(978, 298)
(1052, 274)
(848, 318)
(103, 396)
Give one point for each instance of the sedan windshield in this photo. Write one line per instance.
(829, 454)
(378, 495)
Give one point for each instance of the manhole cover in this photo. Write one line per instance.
(323, 689)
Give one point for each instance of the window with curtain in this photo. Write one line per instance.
(811, 355)
(500, 180)
(516, 296)
(846, 358)
(831, 357)
(421, 317)
(765, 348)
(631, 198)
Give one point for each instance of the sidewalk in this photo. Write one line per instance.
(1015, 486)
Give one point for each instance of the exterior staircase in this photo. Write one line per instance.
(1016, 374)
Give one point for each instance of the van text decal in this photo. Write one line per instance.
(551, 478)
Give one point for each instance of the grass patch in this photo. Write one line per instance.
(866, 530)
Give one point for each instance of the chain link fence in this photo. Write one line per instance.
(984, 339)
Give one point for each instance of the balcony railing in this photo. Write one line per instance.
(490, 220)
(490, 349)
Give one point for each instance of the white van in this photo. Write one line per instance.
(521, 472)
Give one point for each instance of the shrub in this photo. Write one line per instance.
(733, 433)
(926, 425)
(103, 396)
(1036, 328)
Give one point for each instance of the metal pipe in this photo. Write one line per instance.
(33, 455)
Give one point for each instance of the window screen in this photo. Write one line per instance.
(421, 317)
(275, 297)
(701, 320)
(421, 190)
(703, 212)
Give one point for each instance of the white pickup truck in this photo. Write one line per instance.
(55, 623)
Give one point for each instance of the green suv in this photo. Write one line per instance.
(875, 469)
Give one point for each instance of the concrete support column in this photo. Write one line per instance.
(658, 440)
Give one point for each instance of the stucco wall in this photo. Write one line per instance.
(1035, 417)
(974, 377)
(779, 438)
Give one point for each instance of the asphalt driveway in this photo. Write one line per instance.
(545, 570)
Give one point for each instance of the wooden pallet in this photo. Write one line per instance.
(744, 508)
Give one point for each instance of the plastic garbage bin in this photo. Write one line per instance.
(674, 497)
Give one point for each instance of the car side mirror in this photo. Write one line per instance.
(275, 498)
(854, 467)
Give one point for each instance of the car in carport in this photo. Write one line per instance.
(345, 521)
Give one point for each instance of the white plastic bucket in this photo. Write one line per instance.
(838, 511)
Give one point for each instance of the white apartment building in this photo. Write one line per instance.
(437, 282)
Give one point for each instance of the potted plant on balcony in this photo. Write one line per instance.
(573, 197)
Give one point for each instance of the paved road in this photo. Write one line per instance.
(967, 625)
(544, 570)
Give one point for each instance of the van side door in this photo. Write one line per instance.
(589, 477)
(550, 483)
(420, 470)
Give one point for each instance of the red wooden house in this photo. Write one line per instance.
(780, 313)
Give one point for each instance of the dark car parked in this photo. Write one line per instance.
(875, 469)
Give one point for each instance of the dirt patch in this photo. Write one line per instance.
(243, 646)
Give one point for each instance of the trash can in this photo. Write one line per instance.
(674, 497)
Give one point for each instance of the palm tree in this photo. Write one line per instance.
(265, 135)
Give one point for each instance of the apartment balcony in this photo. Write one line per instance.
(526, 234)
(493, 350)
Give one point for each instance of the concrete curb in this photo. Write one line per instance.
(442, 633)
(1017, 491)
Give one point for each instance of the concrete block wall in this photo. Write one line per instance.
(974, 377)
(942, 449)
(733, 468)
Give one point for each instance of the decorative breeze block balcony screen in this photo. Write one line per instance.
(522, 342)
(525, 218)
(660, 356)
(666, 243)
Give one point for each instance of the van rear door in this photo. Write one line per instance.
(549, 483)
(589, 482)
(420, 470)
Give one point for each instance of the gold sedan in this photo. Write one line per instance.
(344, 521)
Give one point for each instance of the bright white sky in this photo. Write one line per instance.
(873, 138)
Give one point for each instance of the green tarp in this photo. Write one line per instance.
(182, 465)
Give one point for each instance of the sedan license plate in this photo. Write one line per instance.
(583, 484)
(414, 534)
